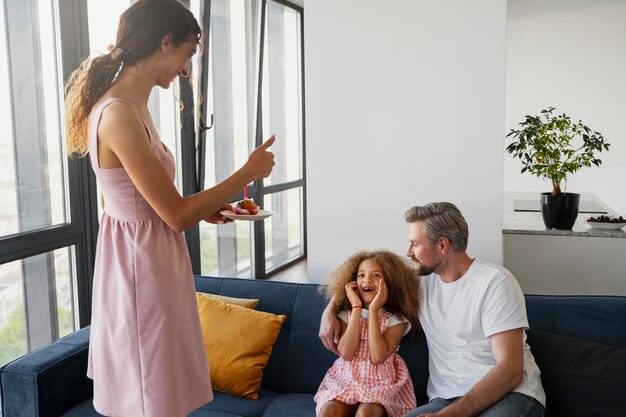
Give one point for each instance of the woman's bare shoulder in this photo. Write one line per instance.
(121, 118)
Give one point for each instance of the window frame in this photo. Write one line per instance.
(82, 230)
(193, 179)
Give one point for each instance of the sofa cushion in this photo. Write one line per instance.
(224, 404)
(287, 369)
(242, 302)
(292, 405)
(238, 342)
(414, 351)
(581, 378)
(84, 409)
(600, 319)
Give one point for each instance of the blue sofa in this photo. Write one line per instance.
(51, 381)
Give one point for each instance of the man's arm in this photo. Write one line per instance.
(329, 327)
(507, 375)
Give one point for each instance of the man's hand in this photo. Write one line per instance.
(503, 378)
(330, 329)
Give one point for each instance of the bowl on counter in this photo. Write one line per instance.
(604, 222)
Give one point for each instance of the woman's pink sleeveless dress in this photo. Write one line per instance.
(146, 353)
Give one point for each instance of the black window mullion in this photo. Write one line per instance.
(188, 156)
(258, 252)
(303, 121)
(72, 20)
(23, 245)
(205, 15)
(276, 188)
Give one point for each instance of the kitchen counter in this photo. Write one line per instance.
(581, 261)
(531, 223)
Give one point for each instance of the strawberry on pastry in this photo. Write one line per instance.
(246, 207)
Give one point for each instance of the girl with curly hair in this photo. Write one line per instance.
(376, 293)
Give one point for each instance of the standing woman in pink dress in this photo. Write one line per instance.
(146, 354)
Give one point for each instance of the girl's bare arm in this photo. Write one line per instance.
(383, 345)
(350, 338)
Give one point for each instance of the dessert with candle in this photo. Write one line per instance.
(245, 206)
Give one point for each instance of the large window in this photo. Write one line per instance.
(282, 98)
(254, 89)
(37, 290)
(249, 78)
(42, 230)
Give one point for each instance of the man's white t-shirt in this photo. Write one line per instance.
(458, 319)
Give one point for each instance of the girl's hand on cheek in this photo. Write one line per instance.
(381, 296)
(353, 295)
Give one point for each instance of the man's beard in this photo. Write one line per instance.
(423, 269)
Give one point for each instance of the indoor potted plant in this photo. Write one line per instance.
(552, 147)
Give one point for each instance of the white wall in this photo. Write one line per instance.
(404, 105)
(570, 54)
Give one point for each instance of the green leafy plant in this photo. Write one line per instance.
(552, 147)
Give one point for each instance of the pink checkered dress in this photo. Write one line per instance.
(360, 381)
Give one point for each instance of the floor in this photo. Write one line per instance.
(295, 273)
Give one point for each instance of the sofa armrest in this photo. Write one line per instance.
(49, 381)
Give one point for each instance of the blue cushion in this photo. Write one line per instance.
(223, 405)
(581, 378)
(226, 403)
(292, 405)
(84, 409)
(600, 319)
(303, 373)
(414, 351)
(287, 369)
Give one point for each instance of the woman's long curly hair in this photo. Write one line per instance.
(401, 279)
(141, 28)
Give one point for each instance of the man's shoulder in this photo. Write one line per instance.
(490, 270)
(497, 281)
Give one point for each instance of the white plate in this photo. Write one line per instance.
(606, 226)
(262, 214)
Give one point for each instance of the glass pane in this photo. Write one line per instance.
(225, 250)
(36, 302)
(32, 163)
(8, 196)
(230, 94)
(165, 112)
(103, 17)
(284, 231)
(282, 91)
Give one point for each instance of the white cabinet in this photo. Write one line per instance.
(573, 265)
(581, 261)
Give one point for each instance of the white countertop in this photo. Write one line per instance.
(531, 223)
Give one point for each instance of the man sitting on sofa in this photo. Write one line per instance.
(473, 315)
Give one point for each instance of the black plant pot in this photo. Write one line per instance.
(559, 211)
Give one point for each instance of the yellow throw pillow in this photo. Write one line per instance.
(243, 302)
(238, 343)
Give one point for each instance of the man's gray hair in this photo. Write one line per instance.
(441, 220)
